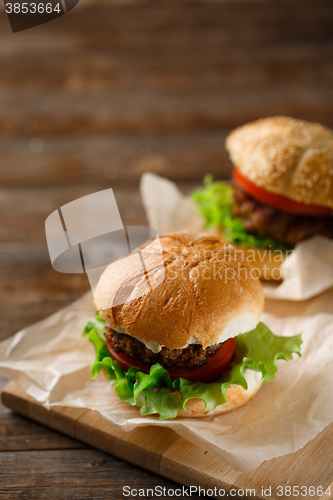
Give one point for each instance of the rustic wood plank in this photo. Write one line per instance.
(147, 110)
(114, 158)
(94, 492)
(84, 473)
(24, 210)
(161, 451)
(18, 433)
(196, 59)
(30, 266)
(62, 467)
(171, 66)
(54, 465)
(250, 21)
(146, 67)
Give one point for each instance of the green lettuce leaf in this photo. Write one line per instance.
(154, 392)
(214, 202)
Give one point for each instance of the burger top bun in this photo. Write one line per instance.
(202, 291)
(290, 157)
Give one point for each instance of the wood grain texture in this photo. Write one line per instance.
(37, 463)
(24, 210)
(150, 111)
(115, 89)
(167, 66)
(162, 451)
(21, 434)
(114, 159)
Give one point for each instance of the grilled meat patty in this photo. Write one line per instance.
(192, 356)
(269, 222)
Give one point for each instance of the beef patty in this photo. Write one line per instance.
(192, 356)
(271, 223)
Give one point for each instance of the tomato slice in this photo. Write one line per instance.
(124, 361)
(206, 373)
(276, 200)
(214, 366)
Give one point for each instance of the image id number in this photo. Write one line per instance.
(302, 491)
(32, 8)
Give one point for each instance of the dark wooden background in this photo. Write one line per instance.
(111, 90)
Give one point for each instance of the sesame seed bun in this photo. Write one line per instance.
(204, 292)
(290, 157)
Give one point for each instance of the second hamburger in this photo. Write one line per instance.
(281, 193)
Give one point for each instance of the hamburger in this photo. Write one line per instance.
(184, 339)
(281, 191)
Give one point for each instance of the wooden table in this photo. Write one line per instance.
(112, 90)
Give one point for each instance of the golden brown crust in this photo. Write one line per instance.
(205, 290)
(286, 156)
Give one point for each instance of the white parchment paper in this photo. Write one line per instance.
(51, 362)
(307, 272)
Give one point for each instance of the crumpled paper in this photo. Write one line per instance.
(51, 362)
(307, 272)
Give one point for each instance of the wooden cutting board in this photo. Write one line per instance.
(162, 451)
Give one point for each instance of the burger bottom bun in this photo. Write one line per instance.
(266, 263)
(236, 396)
